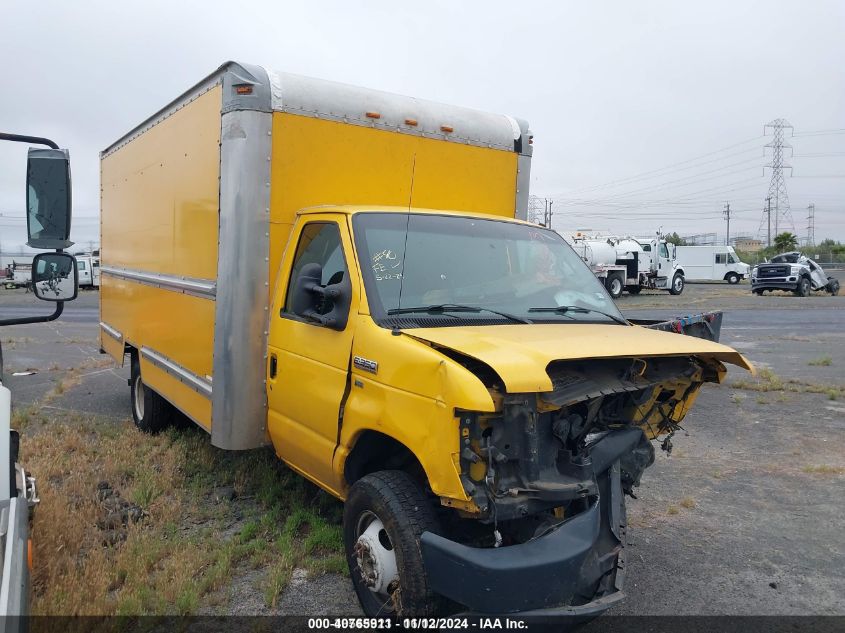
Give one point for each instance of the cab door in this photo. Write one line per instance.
(308, 362)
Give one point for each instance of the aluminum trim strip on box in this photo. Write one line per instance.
(186, 376)
(111, 332)
(205, 288)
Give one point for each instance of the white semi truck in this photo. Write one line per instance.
(625, 263)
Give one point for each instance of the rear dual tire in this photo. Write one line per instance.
(614, 286)
(150, 412)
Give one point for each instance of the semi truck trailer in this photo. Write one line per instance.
(345, 274)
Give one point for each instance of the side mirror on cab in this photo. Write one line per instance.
(48, 199)
(55, 277)
(327, 305)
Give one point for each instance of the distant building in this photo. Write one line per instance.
(747, 244)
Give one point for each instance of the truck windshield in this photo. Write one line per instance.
(430, 262)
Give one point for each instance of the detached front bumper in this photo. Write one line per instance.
(556, 574)
(576, 571)
(774, 284)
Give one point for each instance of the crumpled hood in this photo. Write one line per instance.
(521, 353)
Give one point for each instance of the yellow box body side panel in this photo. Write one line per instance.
(160, 195)
(159, 203)
(319, 162)
(174, 324)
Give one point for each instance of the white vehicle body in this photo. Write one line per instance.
(89, 271)
(712, 263)
(625, 263)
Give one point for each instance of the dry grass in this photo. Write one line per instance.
(672, 509)
(688, 502)
(174, 557)
(768, 381)
(824, 361)
(824, 469)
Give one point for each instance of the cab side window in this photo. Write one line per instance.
(319, 243)
(721, 258)
(663, 251)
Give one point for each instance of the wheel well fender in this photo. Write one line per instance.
(374, 451)
(680, 271)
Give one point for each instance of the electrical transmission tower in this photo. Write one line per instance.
(777, 187)
(811, 225)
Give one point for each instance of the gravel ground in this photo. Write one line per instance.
(745, 517)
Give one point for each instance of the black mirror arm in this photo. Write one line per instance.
(60, 306)
(20, 138)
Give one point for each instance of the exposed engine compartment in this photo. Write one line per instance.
(543, 454)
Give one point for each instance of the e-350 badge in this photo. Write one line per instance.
(366, 364)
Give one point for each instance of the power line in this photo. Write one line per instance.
(641, 175)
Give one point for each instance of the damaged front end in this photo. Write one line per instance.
(549, 473)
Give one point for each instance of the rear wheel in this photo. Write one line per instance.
(150, 412)
(833, 286)
(677, 286)
(383, 519)
(732, 278)
(803, 287)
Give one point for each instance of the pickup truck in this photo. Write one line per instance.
(348, 276)
(792, 271)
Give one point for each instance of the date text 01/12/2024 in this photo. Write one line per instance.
(490, 623)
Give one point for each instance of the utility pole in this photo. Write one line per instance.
(551, 202)
(811, 224)
(727, 213)
(769, 217)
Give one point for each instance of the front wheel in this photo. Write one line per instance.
(677, 286)
(833, 286)
(732, 278)
(615, 287)
(383, 519)
(150, 412)
(634, 290)
(803, 287)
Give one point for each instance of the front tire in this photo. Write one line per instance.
(150, 412)
(634, 290)
(383, 519)
(615, 287)
(677, 286)
(803, 287)
(832, 286)
(732, 278)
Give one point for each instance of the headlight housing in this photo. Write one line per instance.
(794, 270)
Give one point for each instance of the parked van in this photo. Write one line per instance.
(711, 263)
(344, 274)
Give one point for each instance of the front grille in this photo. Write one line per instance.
(773, 271)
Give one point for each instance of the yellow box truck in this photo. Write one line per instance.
(343, 273)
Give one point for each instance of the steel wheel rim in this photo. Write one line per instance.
(139, 398)
(679, 283)
(615, 287)
(376, 564)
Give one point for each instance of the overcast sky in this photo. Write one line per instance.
(679, 91)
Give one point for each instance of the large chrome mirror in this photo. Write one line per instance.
(54, 277)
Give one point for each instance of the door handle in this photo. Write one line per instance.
(273, 366)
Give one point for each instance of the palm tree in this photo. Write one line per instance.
(785, 242)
